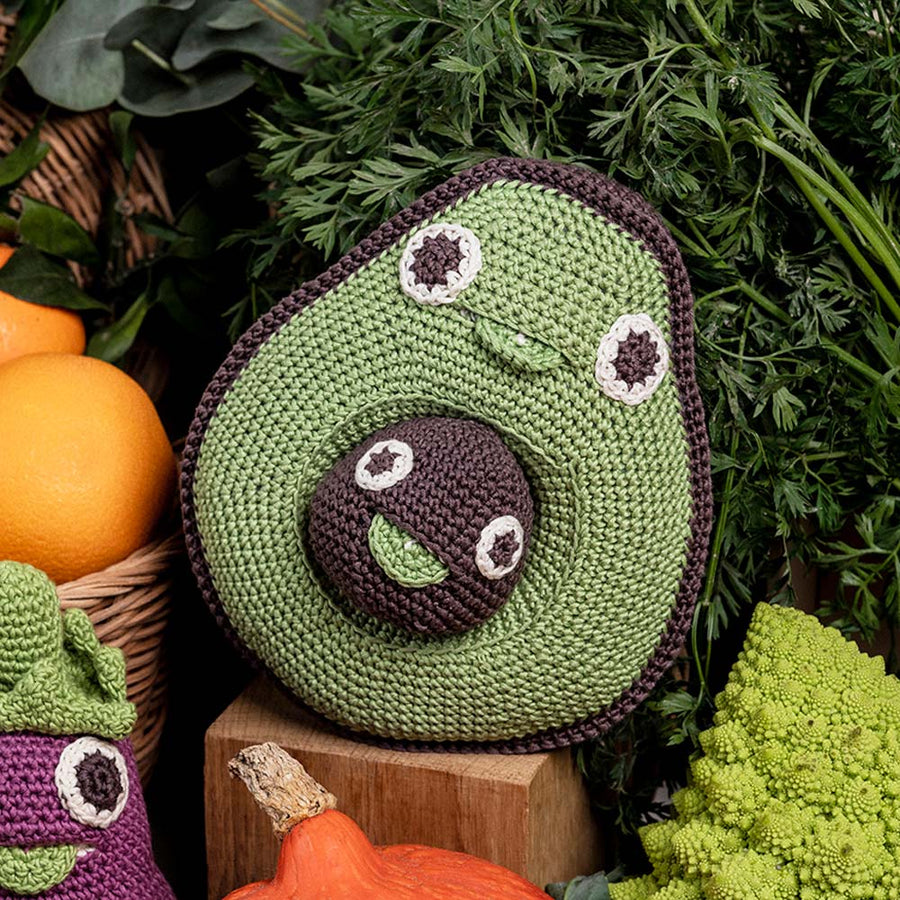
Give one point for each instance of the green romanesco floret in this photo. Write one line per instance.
(770, 757)
(703, 770)
(856, 745)
(844, 859)
(807, 778)
(689, 801)
(679, 889)
(797, 794)
(657, 842)
(742, 703)
(727, 743)
(735, 794)
(772, 721)
(782, 829)
(890, 818)
(859, 799)
(752, 876)
(642, 888)
(700, 845)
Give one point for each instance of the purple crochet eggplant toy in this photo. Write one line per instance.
(72, 819)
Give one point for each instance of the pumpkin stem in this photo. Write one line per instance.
(284, 790)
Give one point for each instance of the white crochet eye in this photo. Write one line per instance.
(92, 782)
(383, 465)
(632, 359)
(439, 262)
(500, 547)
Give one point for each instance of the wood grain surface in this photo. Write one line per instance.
(529, 813)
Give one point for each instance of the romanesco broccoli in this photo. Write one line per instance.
(797, 793)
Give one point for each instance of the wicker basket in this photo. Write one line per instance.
(128, 602)
(82, 166)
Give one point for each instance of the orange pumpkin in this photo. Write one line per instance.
(326, 856)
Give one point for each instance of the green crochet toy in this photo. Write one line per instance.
(798, 794)
(72, 818)
(455, 491)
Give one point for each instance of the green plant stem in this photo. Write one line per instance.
(291, 23)
(772, 308)
(808, 180)
(514, 30)
(857, 365)
(790, 119)
(805, 177)
(158, 60)
(715, 552)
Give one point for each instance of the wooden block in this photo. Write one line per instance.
(529, 813)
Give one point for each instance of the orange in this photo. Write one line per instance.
(86, 469)
(31, 328)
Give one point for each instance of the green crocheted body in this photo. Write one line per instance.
(55, 676)
(517, 350)
(797, 795)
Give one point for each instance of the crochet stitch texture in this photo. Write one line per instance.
(540, 302)
(72, 819)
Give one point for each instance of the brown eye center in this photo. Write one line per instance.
(636, 359)
(504, 549)
(382, 462)
(98, 780)
(435, 259)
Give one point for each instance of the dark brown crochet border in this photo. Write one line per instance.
(609, 200)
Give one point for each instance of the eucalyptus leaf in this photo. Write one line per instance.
(30, 19)
(158, 27)
(67, 63)
(50, 229)
(114, 341)
(29, 275)
(26, 156)
(153, 87)
(238, 14)
(150, 91)
(261, 37)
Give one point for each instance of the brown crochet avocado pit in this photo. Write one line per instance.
(451, 497)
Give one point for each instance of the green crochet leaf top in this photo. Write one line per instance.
(455, 492)
(55, 676)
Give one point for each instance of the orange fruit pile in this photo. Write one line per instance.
(31, 328)
(86, 468)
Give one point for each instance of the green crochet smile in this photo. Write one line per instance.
(521, 349)
(37, 869)
(402, 557)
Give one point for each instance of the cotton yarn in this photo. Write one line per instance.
(541, 315)
(72, 819)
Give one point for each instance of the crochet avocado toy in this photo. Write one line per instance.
(72, 819)
(455, 492)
